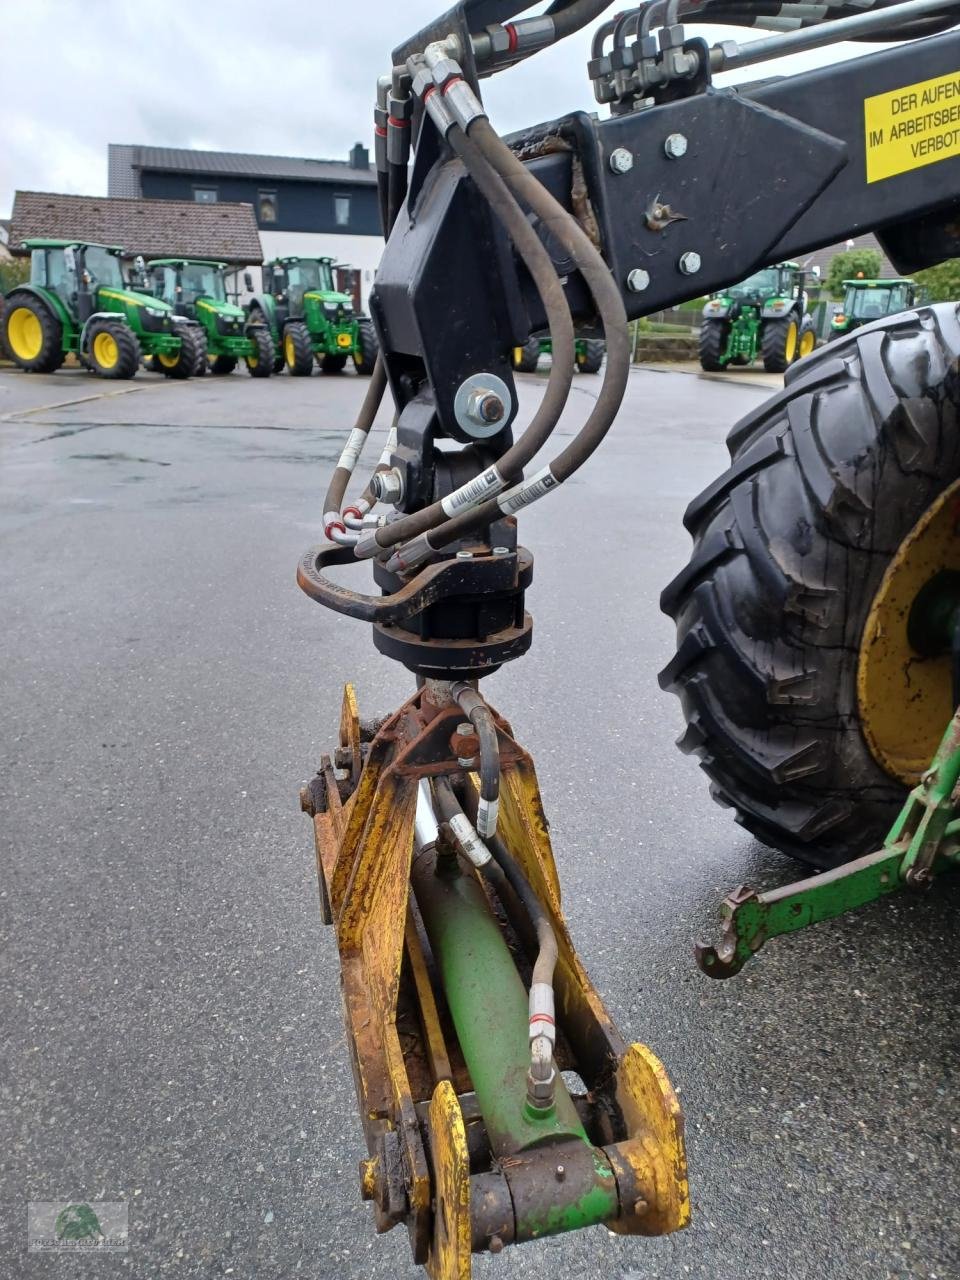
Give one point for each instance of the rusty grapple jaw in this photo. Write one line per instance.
(499, 1102)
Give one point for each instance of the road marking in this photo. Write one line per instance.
(66, 404)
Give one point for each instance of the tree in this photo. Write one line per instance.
(943, 282)
(13, 272)
(848, 265)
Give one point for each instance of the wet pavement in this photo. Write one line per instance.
(171, 1032)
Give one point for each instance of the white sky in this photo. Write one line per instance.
(283, 78)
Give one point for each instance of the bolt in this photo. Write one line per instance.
(343, 757)
(387, 485)
(464, 555)
(675, 146)
(501, 551)
(465, 729)
(638, 280)
(306, 802)
(689, 263)
(484, 406)
(621, 161)
(495, 1245)
(561, 1173)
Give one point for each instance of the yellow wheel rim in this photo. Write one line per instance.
(24, 333)
(808, 340)
(905, 699)
(105, 350)
(289, 351)
(168, 361)
(517, 356)
(252, 361)
(790, 348)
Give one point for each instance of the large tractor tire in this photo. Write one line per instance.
(32, 334)
(527, 357)
(808, 338)
(298, 350)
(368, 348)
(183, 363)
(332, 364)
(810, 706)
(112, 349)
(261, 364)
(220, 366)
(590, 358)
(779, 343)
(712, 344)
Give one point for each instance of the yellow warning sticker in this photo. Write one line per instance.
(913, 126)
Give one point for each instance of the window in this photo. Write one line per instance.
(341, 210)
(205, 195)
(267, 206)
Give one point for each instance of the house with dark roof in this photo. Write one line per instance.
(155, 228)
(302, 206)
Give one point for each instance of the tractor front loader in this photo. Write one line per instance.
(195, 288)
(499, 1103)
(309, 319)
(77, 301)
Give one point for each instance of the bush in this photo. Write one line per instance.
(14, 272)
(847, 265)
(943, 282)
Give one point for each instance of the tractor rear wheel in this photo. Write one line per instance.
(527, 357)
(32, 333)
(261, 364)
(219, 366)
(112, 349)
(779, 343)
(365, 357)
(590, 358)
(297, 349)
(808, 338)
(712, 344)
(183, 363)
(333, 364)
(805, 695)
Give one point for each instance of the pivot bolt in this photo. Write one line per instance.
(638, 280)
(621, 161)
(689, 263)
(387, 485)
(675, 146)
(484, 406)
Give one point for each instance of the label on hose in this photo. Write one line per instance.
(487, 816)
(473, 492)
(527, 491)
(469, 841)
(352, 449)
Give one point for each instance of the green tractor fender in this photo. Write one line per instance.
(779, 308)
(99, 315)
(717, 309)
(51, 300)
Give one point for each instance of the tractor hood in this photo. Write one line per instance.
(227, 309)
(131, 298)
(324, 295)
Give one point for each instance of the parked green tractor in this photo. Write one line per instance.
(310, 319)
(588, 354)
(765, 315)
(866, 300)
(195, 288)
(77, 302)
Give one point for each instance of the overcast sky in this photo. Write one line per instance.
(289, 77)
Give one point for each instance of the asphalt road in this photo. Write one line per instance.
(171, 1031)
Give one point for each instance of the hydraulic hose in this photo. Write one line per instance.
(480, 716)
(332, 523)
(537, 261)
(571, 17)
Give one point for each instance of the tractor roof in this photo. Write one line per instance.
(877, 284)
(299, 258)
(182, 262)
(68, 244)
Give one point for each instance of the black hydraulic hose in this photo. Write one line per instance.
(570, 17)
(537, 261)
(342, 473)
(481, 717)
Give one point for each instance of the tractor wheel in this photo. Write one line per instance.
(260, 365)
(32, 333)
(590, 358)
(298, 350)
(369, 348)
(813, 694)
(182, 364)
(152, 364)
(712, 344)
(779, 343)
(332, 364)
(202, 362)
(220, 366)
(112, 349)
(527, 357)
(808, 338)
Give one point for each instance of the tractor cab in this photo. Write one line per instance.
(184, 282)
(290, 279)
(866, 300)
(75, 272)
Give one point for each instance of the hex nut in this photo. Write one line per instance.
(675, 146)
(638, 280)
(621, 161)
(689, 263)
